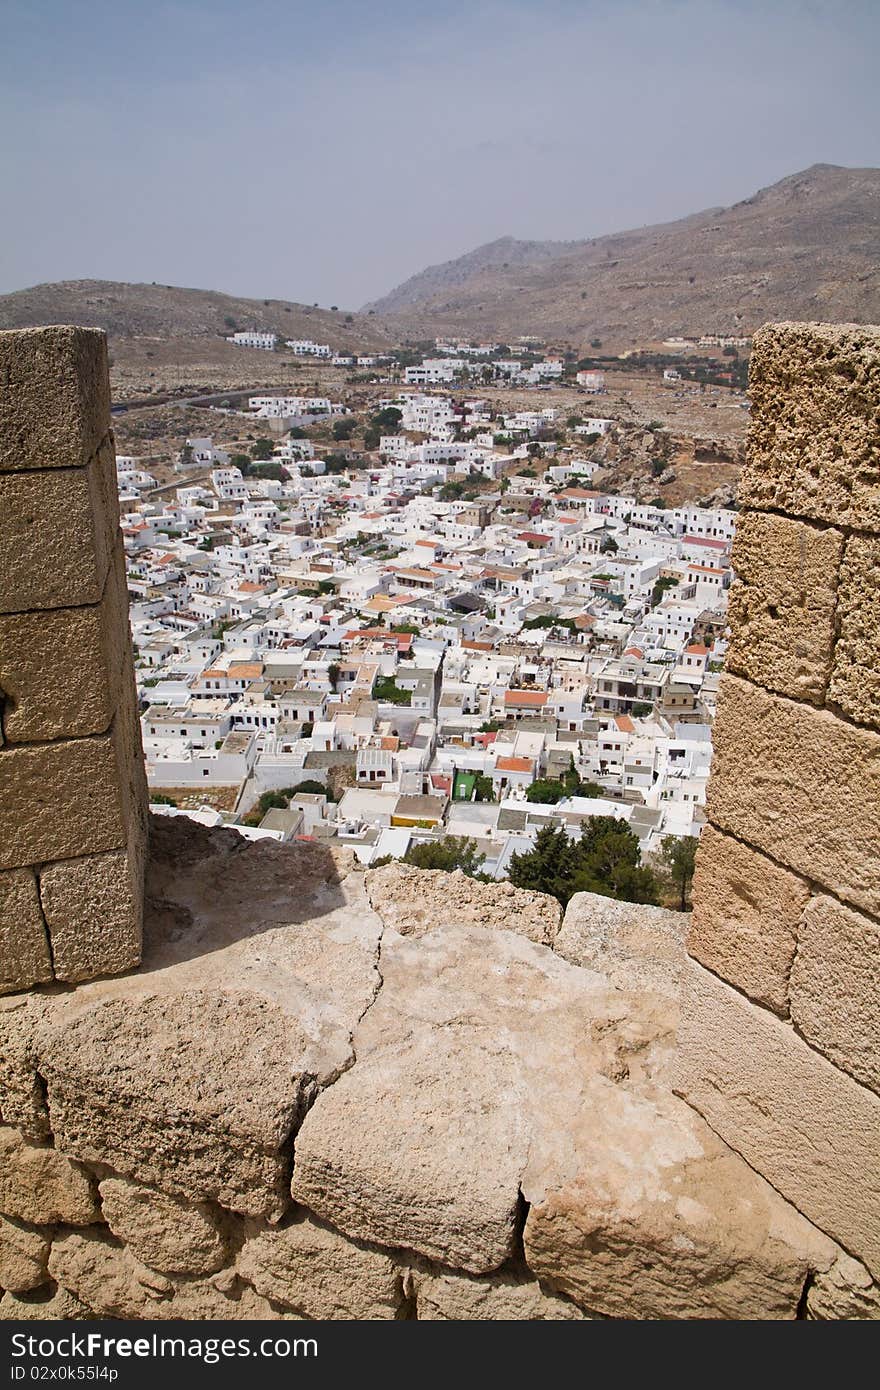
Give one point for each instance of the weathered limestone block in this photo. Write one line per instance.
(94, 911)
(58, 801)
(22, 1101)
(58, 529)
(809, 1127)
(414, 901)
(781, 610)
(309, 1267)
(835, 987)
(855, 679)
(745, 918)
(196, 1093)
(636, 947)
(24, 1253)
(495, 1298)
(49, 1303)
(161, 1231)
(646, 1214)
(61, 670)
(55, 397)
(24, 948)
(116, 1285)
(43, 1186)
(801, 785)
(844, 1292)
(813, 448)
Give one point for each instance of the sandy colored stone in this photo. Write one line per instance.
(93, 908)
(844, 1292)
(813, 448)
(116, 1285)
(163, 1232)
(646, 1214)
(801, 785)
(22, 1096)
(636, 947)
(309, 1267)
(855, 679)
(24, 948)
(41, 1185)
(745, 918)
(58, 801)
(55, 396)
(60, 670)
(494, 1298)
(812, 1130)
(24, 1253)
(414, 901)
(781, 609)
(835, 987)
(58, 529)
(49, 1303)
(423, 1144)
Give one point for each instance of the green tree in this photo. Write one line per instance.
(606, 859)
(678, 853)
(263, 449)
(452, 852)
(484, 788)
(387, 421)
(334, 671)
(344, 429)
(545, 792)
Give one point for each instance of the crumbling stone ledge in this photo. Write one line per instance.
(295, 1109)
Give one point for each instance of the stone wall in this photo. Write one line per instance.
(779, 1045)
(73, 798)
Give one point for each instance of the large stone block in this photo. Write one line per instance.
(58, 529)
(164, 1232)
(24, 947)
(309, 1267)
(855, 679)
(54, 397)
(60, 671)
(41, 1185)
(414, 901)
(808, 1127)
(781, 609)
(58, 801)
(496, 1298)
(24, 1254)
(801, 785)
(813, 446)
(745, 918)
(835, 987)
(94, 912)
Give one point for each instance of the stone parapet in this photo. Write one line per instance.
(73, 793)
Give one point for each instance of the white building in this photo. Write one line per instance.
(266, 341)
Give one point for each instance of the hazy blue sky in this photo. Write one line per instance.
(326, 151)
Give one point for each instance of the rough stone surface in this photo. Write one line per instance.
(651, 1216)
(94, 911)
(163, 1232)
(55, 397)
(57, 533)
(41, 1185)
(813, 448)
(60, 670)
(307, 1266)
(49, 1303)
(191, 1073)
(844, 1292)
(835, 987)
(58, 800)
(24, 947)
(23, 1256)
(495, 1298)
(801, 785)
(414, 901)
(636, 947)
(855, 679)
(745, 918)
(781, 610)
(811, 1129)
(116, 1285)
(22, 1098)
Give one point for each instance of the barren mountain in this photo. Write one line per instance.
(805, 248)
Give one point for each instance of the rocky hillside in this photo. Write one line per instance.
(166, 312)
(805, 248)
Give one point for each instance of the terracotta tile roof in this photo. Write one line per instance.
(514, 764)
(624, 724)
(534, 699)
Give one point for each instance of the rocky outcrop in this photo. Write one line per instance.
(299, 1108)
